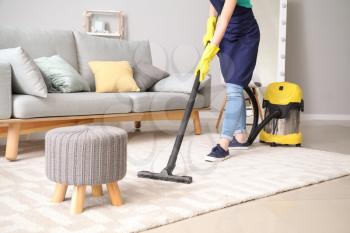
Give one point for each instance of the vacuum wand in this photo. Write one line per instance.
(167, 173)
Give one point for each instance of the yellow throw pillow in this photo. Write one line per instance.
(112, 76)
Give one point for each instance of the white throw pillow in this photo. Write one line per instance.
(26, 78)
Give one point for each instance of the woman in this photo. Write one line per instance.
(233, 34)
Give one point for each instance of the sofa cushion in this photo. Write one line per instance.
(41, 43)
(70, 104)
(60, 76)
(162, 101)
(113, 76)
(91, 48)
(26, 78)
(146, 75)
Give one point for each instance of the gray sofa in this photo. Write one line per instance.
(21, 114)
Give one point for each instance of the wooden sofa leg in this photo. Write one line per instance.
(13, 134)
(196, 123)
(137, 124)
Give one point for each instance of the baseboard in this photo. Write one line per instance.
(326, 117)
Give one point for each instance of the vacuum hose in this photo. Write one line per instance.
(256, 128)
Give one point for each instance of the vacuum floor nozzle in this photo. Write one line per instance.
(165, 176)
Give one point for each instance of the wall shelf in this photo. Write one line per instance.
(110, 18)
(104, 34)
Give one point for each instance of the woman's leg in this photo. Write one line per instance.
(233, 114)
(241, 132)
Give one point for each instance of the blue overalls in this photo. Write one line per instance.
(239, 47)
(238, 55)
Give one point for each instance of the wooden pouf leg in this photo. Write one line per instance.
(77, 204)
(97, 190)
(114, 194)
(60, 193)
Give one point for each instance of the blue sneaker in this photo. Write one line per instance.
(217, 154)
(234, 145)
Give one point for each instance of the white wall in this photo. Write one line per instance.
(267, 15)
(318, 54)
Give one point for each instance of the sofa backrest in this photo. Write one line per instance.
(92, 48)
(76, 48)
(40, 43)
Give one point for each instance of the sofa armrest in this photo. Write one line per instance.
(5, 91)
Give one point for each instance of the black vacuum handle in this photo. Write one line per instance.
(180, 135)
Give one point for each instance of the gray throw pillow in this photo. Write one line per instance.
(147, 75)
(26, 76)
(181, 83)
(61, 76)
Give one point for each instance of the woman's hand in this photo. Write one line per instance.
(223, 21)
(211, 25)
(204, 65)
(213, 48)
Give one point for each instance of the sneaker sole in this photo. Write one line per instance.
(238, 148)
(213, 160)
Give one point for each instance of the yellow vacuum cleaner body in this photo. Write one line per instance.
(284, 129)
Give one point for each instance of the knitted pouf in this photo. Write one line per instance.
(85, 155)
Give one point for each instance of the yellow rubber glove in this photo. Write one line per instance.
(211, 25)
(204, 64)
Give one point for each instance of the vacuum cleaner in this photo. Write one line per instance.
(167, 173)
(283, 130)
(282, 103)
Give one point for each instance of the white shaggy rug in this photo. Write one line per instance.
(259, 172)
